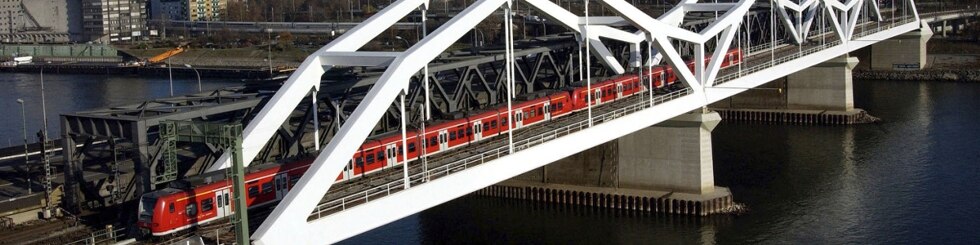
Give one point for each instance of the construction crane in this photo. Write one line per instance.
(166, 55)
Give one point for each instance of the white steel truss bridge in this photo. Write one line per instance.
(818, 30)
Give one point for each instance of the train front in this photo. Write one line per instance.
(149, 213)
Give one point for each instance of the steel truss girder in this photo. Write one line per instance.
(133, 126)
(288, 221)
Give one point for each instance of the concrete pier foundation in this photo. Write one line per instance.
(903, 53)
(666, 168)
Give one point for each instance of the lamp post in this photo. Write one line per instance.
(199, 89)
(170, 73)
(407, 44)
(23, 115)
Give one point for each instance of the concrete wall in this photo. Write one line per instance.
(49, 13)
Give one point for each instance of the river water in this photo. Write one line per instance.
(910, 179)
(72, 93)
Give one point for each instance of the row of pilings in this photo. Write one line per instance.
(797, 117)
(629, 202)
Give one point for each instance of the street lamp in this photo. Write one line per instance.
(170, 73)
(199, 89)
(407, 44)
(23, 115)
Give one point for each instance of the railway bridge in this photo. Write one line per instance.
(819, 32)
(342, 96)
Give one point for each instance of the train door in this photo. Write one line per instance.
(619, 90)
(547, 110)
(663, 79)
(518, 119)
(477, 130)
(224, 205)
(443, 140)
(282, 185)
(349, 170)
(392, 151)
(597, 96)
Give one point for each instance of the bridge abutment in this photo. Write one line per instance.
(904, 52)
(666, 168)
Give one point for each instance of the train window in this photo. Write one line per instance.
(253, 191)
(191, 209)
(503, 121)
(267, 187)
(460, 133)
(359, 162)
(486, 127)
(432, 141)
(207, 205)
(370, 159)
(381, 155)
(171, 207)
(469, 131)
(411, 147)
(540, 112)
(399, 151)
(452, 135)
(493, 124)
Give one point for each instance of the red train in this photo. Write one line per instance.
(170, 210)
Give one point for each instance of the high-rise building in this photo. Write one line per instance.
(192, 10)
(114, 20)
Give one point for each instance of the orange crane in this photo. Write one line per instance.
(165, 55)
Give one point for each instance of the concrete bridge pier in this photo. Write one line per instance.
(826, 86)
(904, 52)
(666, 168)
(674, 155)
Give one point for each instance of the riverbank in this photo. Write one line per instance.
(102, 68)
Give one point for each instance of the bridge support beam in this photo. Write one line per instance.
(827, 86)
(904, 52)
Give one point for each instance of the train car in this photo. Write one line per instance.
(170, 210)
(487, 124)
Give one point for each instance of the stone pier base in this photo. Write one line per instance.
(635, 200)
(803, 117)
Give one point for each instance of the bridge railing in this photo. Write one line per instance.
(634, 103)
